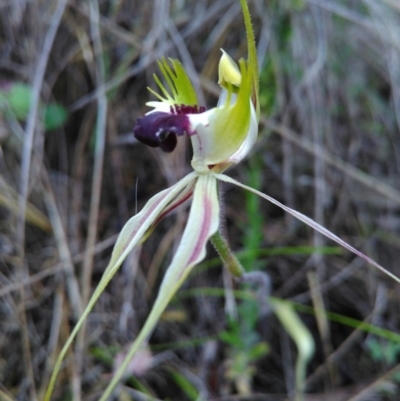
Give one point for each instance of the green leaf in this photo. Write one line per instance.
(19, 98)
(191, 391)
(259, 350)
(103, 354)
(55, 116)
(301, 337)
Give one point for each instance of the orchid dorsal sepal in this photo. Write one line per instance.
(252, 56)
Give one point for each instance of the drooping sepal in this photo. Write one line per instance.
(131, 234)
(202, 224)
(311, 223)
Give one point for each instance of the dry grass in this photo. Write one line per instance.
(329, 147)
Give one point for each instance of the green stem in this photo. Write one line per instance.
(225, 253)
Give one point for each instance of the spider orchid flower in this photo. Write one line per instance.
(220, 137)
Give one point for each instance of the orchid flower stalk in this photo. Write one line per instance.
(221, 137)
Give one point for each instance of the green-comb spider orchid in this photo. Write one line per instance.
(220, 137)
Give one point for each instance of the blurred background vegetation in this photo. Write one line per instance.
(73, 78)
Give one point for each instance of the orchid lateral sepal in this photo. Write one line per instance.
(202, 223)
(311, 223)
(132, 233)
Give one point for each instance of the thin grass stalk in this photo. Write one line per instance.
(63, 249)
(24, 181)
(350, 171)
(100, 137)
(99, 156)
(57, 268)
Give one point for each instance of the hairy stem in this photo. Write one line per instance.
(227, 256)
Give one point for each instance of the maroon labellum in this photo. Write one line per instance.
(159, 129)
